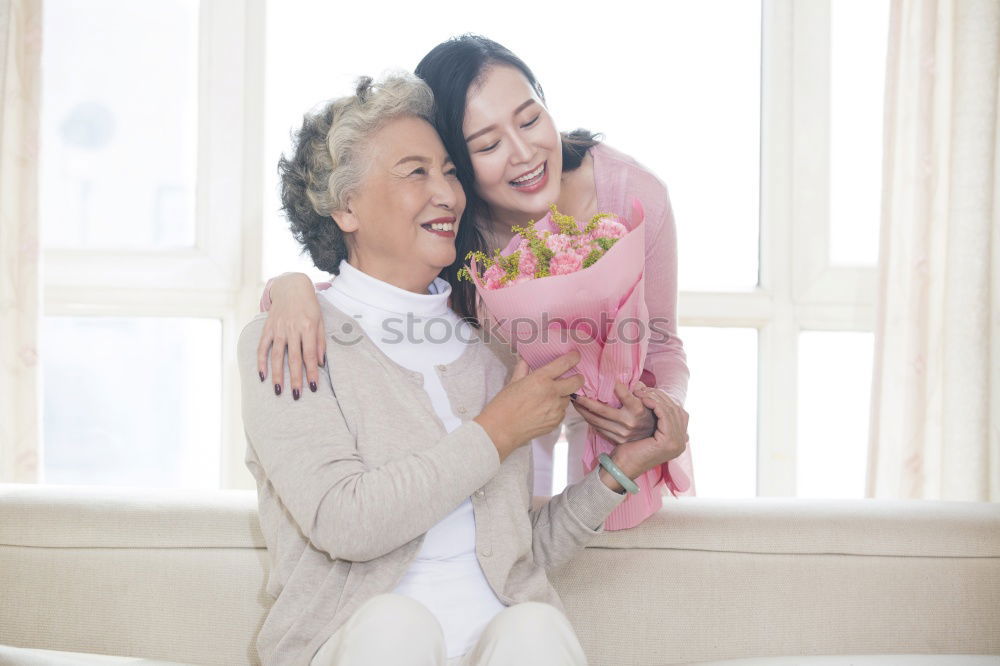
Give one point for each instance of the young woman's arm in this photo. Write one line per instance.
(665, 357)
(295, 326)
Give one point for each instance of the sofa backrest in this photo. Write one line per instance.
(724, 579)
(171, 575)
(180, 576)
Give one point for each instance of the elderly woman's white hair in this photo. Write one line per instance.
(330, 158)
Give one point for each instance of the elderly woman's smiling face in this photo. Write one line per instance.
(401, 222)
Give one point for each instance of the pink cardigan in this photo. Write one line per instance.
(618, 179)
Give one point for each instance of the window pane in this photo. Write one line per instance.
(835, 371)
(858, 41)
(132, 401)
(722, 404)
(642, 84)
(119, 123)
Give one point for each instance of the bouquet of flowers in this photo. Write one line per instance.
(575, 286)
(548, 253)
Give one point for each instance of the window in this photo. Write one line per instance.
(93, 125)
(157, 427)
(141, 212)
(160, 212)
(824, 67)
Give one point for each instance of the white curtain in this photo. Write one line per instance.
(935, 426)
(20, 54)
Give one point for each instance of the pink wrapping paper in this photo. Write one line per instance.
(601, 312)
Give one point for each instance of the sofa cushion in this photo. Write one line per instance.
(10, 656)
(13, 656)
(863, 660)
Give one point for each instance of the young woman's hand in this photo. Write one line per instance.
(532, 403)
(294, 323)
(632, 421)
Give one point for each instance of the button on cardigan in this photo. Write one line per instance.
(351, 477)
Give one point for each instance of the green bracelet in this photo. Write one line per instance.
(616, 472)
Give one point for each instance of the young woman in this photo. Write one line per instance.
(395, 498)
(510, 158)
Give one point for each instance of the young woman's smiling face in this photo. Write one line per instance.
(515, 148)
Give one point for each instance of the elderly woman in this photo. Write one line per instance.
(395, 498)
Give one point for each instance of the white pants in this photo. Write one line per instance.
(542, 447)
(397, 630)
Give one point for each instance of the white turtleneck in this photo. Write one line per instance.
(420, 332)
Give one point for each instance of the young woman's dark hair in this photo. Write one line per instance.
(450, 69)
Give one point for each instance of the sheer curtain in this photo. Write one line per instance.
(935, 427)
(20, 56)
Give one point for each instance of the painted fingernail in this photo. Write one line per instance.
(277, 389)
(261, 373)
(295, 394)
(573, 396)
(312, 386)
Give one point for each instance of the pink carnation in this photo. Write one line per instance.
(608, 227)
(492, 276)
(558, 242)
(528, 263)
(564, 263)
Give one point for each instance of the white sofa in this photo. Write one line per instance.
(157, 576)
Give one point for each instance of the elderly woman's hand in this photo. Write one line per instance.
(294, 322)
(633, 421)
(668, 441)
(533, 403)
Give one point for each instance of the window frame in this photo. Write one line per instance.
(217, 277)
(799, 289)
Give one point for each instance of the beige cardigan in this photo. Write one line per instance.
(351, 477)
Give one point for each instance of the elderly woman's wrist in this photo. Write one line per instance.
(623, 463)
(632, 468)
(497, 434)
(610, 481)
